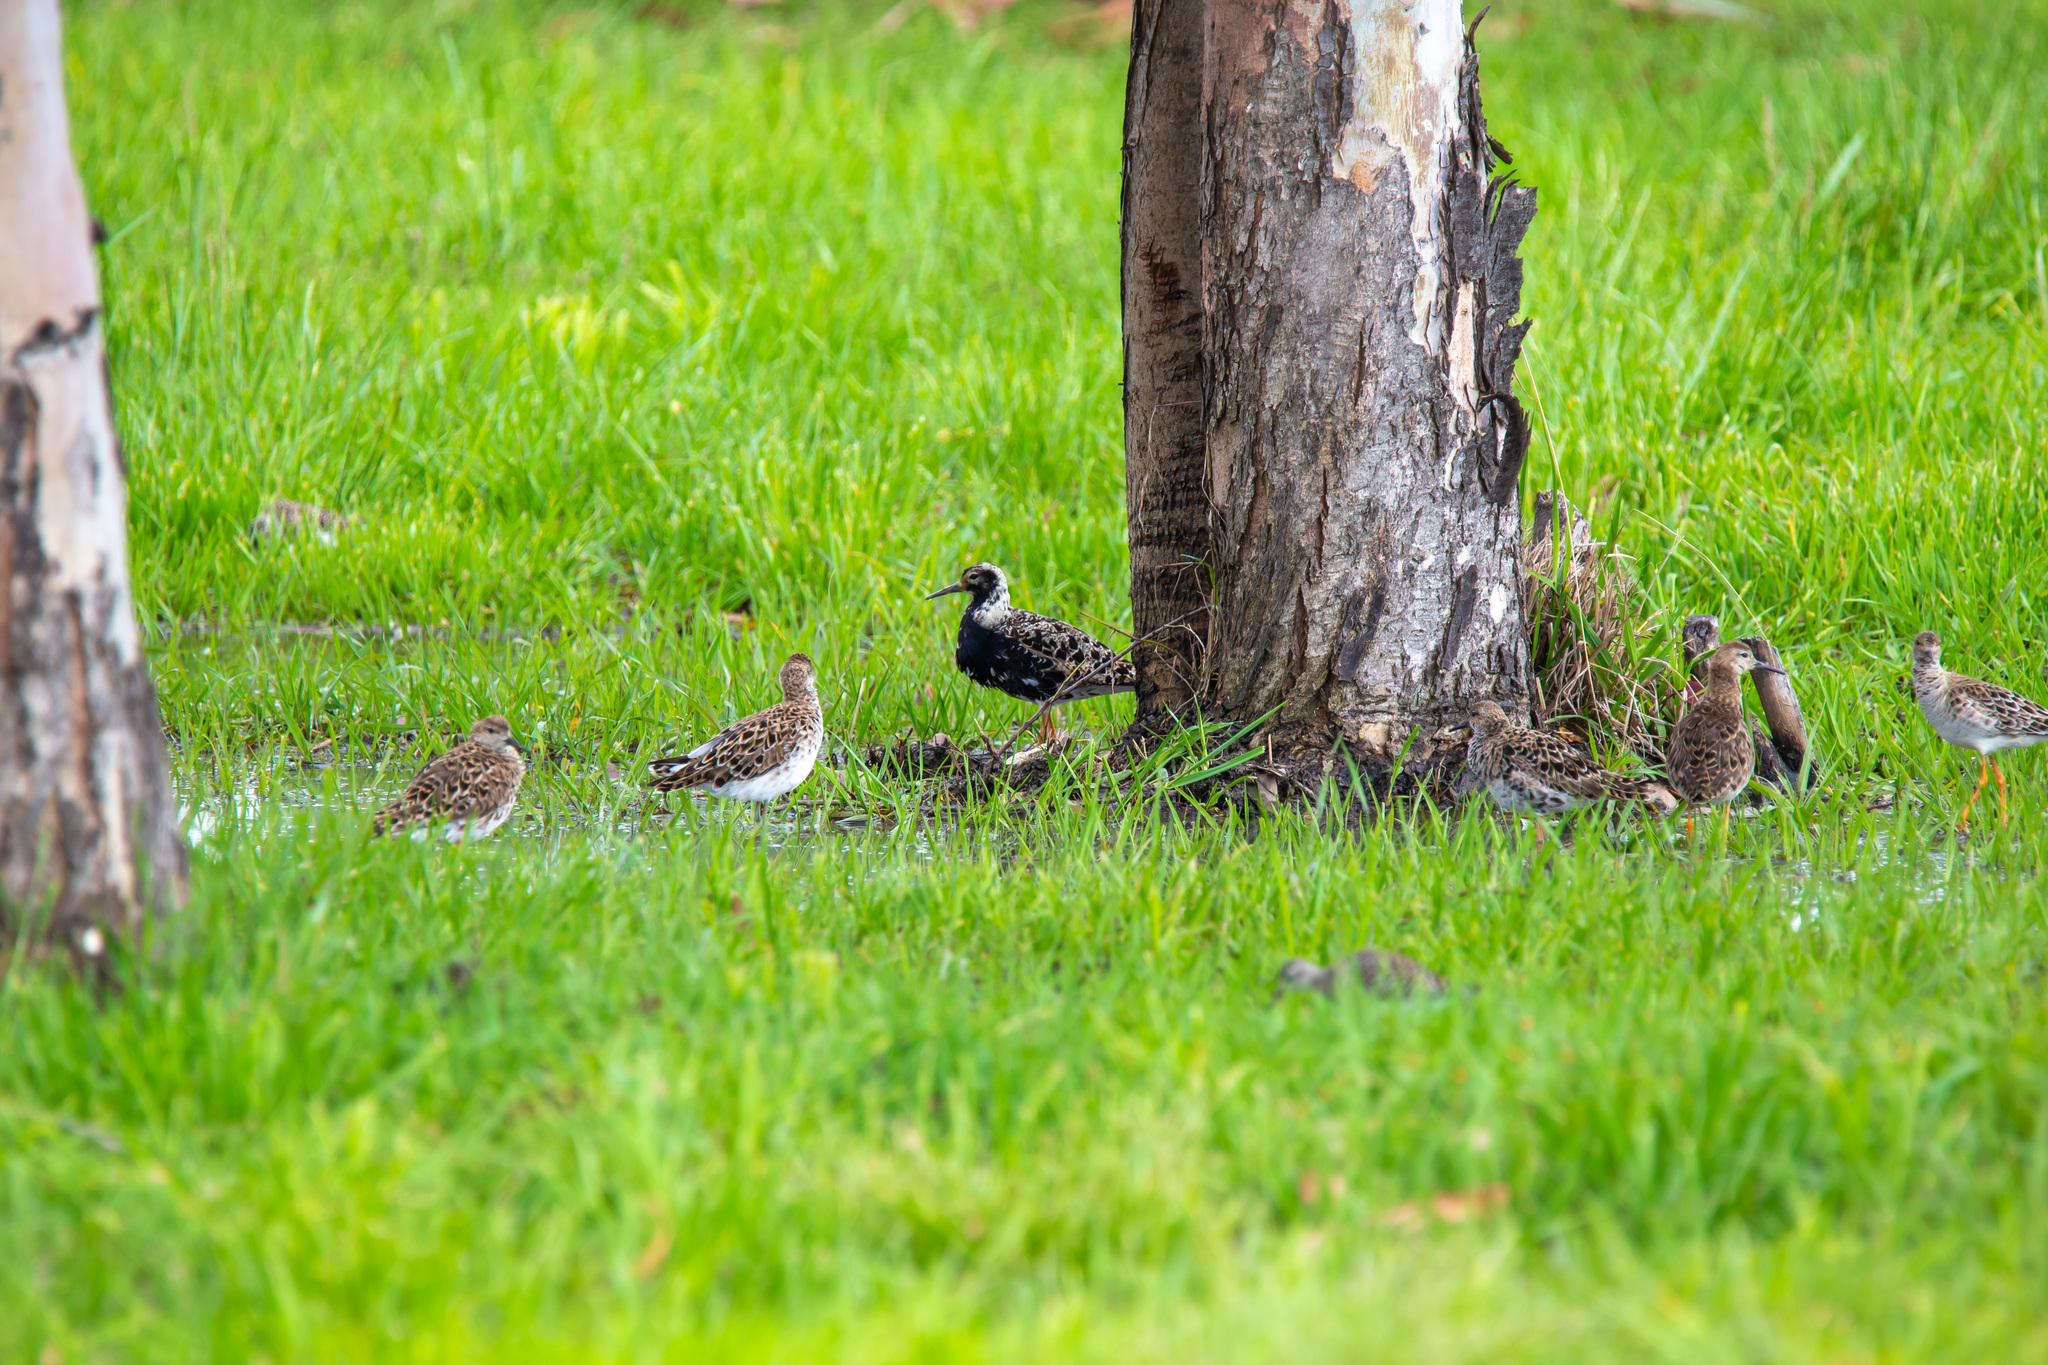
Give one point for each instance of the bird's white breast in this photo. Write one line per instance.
(1952, 720)
(474, 827)
(780, 780)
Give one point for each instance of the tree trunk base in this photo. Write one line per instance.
(89, 840)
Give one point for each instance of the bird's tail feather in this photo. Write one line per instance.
(1650, 792)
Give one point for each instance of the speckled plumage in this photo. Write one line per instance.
(1968, 712)
(1782, 751)
(1712, 754)
(765, 756)
(1539, 773)
(1975, 715)
(466, 793)
(1030, 657)
(1375, 970)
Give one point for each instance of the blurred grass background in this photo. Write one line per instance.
(614, 324)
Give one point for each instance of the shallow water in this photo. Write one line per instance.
(284, 797)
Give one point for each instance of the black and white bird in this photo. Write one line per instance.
(1027, 656)
(761, 758)
(466, 793)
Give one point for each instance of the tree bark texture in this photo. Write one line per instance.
(89, 841)
(1166, 506)
(1361, 442)
(1364, 451)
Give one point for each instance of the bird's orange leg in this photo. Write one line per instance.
(1688, 824)
(1048, 728)
(1999, 773)
(1983, 776)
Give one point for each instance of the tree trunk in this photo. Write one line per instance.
(1166, 508)
(1361, 442)
(88, 829)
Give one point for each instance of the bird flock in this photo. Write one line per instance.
(1713, 754)
(469, 791)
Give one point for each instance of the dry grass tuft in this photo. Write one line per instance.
(1591, 639)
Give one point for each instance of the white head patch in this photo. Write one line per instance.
(989, 614)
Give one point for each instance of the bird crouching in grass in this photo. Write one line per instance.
(761, 758)
(1712, 755)
(1538, 773)
(466, 793)
(1027, 656)
(1975, 715)
(1374, 969)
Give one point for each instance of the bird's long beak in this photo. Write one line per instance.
(1772, 668)
(521, 749)
(934, 596)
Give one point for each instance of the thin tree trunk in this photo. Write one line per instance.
(1362, 442)
(1166, 507)
(88, 830)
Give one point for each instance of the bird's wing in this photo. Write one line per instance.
(1558, 763)
(460, 782)
(1710, 748)
(1995, 708)
(749, 747)
(1087, 665)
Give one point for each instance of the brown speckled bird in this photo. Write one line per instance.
(1712, 755)
(1975, 715)
(1381, 972)
(1783, 757)
(467, 792)
(1540, 773)
(761, 758)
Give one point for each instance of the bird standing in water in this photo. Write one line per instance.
(1712, 755)
(1975, 715)
(761, 758)
(467, 792)
(1030, 657)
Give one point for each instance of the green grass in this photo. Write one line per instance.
(604, 328)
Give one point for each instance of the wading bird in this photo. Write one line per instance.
(1712, 755)
(1974, 715)
(761, 758)
(466, 793)
(1781, 747)
(1540, 773)
(1030, 657)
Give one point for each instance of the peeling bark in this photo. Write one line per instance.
(1362, 441)
(1167, 511)
(89, 842)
